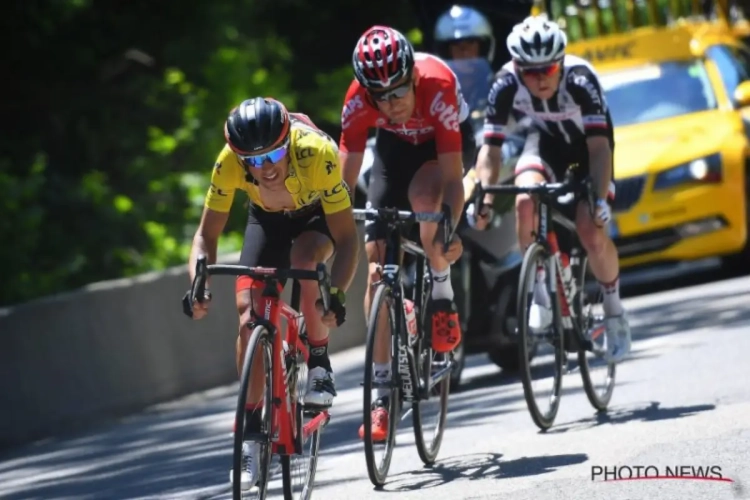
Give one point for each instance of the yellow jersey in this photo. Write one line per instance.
(314, 173)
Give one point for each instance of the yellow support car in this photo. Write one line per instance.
(679, 97)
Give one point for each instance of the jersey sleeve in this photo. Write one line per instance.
(499, 108)
(583, 86)
(225, 179)
(445, 108)
(328, 181)
(354, 121)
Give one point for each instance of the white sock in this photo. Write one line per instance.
(612, 305)
(381, 373)
(441, 284)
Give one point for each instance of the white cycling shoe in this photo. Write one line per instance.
(618, 337)
(250, 471)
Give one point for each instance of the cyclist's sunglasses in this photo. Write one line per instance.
(273, 156)
(546, 70)
(397, 92)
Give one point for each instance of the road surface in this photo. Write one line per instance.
(683, 399)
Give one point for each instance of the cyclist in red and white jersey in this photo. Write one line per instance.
(424, 141)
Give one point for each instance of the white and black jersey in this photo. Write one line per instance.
(578, 109)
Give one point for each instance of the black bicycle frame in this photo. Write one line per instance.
(403, 362)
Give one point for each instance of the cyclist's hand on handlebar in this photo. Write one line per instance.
(198, 309)
(480, 220)
(337, 315)
(455, 249)
(603, 212)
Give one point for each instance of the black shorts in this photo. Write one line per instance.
(552, 157)
(396, 161)
(269, 237)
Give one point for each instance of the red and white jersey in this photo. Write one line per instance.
(440, 108)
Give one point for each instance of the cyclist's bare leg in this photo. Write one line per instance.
(309, 249)
(526, 213)
(429, 188)
(381, 356)
(604, 262)
(427, 191)
(382, 350)
(540, 314)
(603, 257)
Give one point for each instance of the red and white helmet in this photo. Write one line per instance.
(382, 57)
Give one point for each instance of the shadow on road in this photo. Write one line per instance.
(651, 412)
(477, 467)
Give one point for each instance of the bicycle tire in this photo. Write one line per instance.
(379, 472)
(260, 337)
(314, 441)
(428, 453)
(597, 400)
(528, 275)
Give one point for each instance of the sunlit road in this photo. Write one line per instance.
(683, 399)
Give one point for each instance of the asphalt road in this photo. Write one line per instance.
(681, 400)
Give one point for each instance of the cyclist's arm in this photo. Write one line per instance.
(351, 164)
(497, 116)
(451, 165)
(206, 239)
(600, 164)
(489, 161)
(344, 233)
(584, 87)
(337, 207)
(224, 180)
(355, 124)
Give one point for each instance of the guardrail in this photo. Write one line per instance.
(116, 347)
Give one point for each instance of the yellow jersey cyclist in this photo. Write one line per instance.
(558, 101)
(299, 213)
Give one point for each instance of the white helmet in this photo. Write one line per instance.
(537, 40)
(464, 23)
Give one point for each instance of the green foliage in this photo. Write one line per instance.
(115, 118)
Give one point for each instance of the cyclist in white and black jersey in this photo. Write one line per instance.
(556, 100)
(575, 111)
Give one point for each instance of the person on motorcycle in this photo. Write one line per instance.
(464, 33)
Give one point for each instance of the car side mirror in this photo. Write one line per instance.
(742, 94)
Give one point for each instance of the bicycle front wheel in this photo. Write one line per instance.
(378, 465)
(597, 373)
(259, 350)
(298, 471)
(434, 371)
(549, 345)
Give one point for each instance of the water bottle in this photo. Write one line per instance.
(411, 317)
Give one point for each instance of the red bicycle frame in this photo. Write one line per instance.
(284, 411)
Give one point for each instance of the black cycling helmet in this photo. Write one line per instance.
(256, 125)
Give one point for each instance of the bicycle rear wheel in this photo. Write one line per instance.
(529, 341)
(377, 467)
(298, 471)
(259, 349)
(430, 363)
(598, 375)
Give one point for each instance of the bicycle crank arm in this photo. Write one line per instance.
(444, 371)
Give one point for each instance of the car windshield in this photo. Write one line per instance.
(659, 91)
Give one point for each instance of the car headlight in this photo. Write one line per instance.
(701, 170)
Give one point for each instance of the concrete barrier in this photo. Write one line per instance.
(119, 346)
